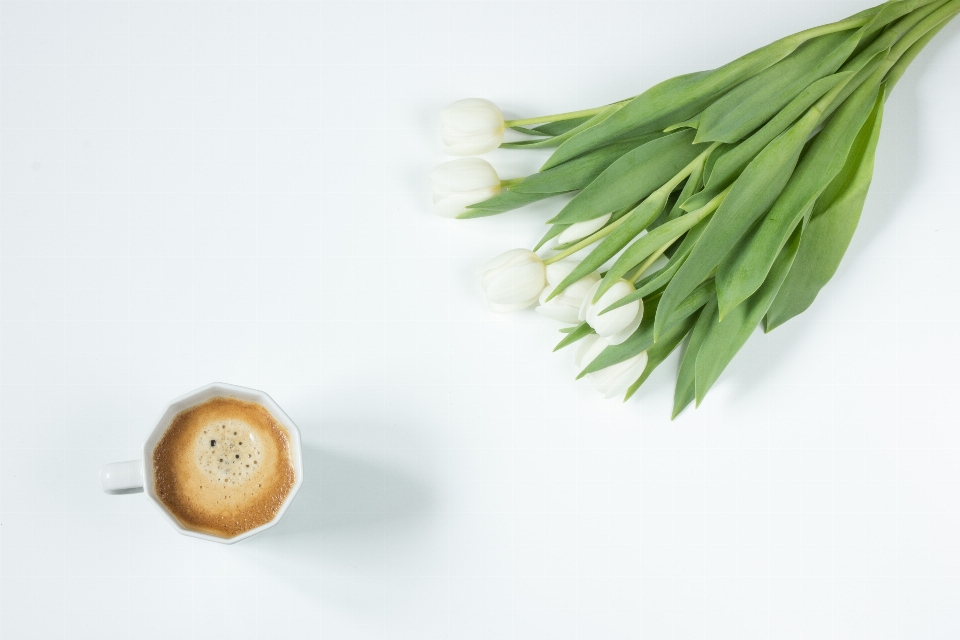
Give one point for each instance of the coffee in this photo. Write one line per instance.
(224, 467)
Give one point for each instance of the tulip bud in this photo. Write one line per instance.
(582, 229)
(566, 306)
(617, 325)
(590, 347)
(513, 280)
(471, 127)
(615, 379)
(460, 183)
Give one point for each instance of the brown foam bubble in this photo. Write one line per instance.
(224, 467)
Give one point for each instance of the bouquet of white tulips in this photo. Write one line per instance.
(743, 184)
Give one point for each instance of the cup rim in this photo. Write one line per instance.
(193, 398)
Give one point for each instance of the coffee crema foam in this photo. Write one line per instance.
(224, 467)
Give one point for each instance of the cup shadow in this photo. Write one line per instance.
(347, 496)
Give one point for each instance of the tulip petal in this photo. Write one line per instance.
(619, 324)
(471, 126)
(450, 205)
(585, 305)
(580, 230)
(621, 336)
(590, 347)
(566, 315)
(627, 377)
(514, 256)
(616, 379)
(557, 271)
(566, 306)
(518, 283)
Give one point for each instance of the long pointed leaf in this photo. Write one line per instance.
(680, 98)
(827, 235)
(565, 135)
(661, 350)
(506, 200)
(754, 102)
(686, 389)
(553, 232)
(647, 244)
(636, 221)
(724, 339)
(732, 163)
(658, 280)
(634, 176)
(742, 273)
(642, 338)
(749, 198)
(579, 172)
(581, 331)
(553, 128)
(691, 186)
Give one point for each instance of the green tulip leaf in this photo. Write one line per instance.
(647, 244)
(659, 279)
(642, 338)
(754, 102)
(553, 129)
(682, 97)
(749, 198)
(729, 165)
(692, 185)
(580, 172)
(742, 272)
(636, 221)
(691, 123)
(569, 133)
(724, 339)
(506, 200)
(633, 177)
(832, 223)
(686, 391)
(661, 350)
(554, 231)
(579, 332)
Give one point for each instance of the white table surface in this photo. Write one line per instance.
(235, 191)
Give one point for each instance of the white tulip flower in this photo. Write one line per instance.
(617, 325)
(513, 280)
(566, 306)
(459, 183)
(582, 229)
(471, 127)
(615, 379)
(588, 349)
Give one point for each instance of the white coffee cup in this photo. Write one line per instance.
(135, 476)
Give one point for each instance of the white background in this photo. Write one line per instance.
(236, 191)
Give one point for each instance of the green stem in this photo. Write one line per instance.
(933, 22)
(696, 216)
(897, 70)
(637, 273)
(506, 184)
(583, 113)
(586, 242)
(666, 189)
(853, 22)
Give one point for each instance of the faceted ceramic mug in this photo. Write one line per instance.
(135, 476)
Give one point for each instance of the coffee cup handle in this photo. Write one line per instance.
(122, 477)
